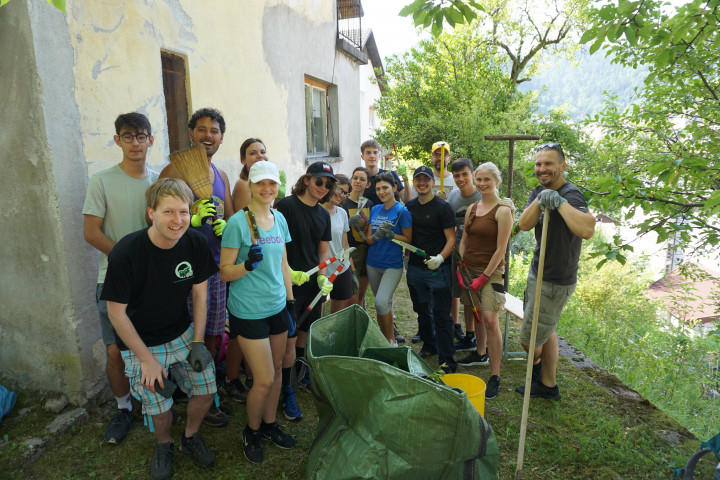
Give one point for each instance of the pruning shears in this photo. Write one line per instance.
(462, 268)
(417, 251)
(341, 257)
(317, 298)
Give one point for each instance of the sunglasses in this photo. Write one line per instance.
(319, 183)
(553, 146)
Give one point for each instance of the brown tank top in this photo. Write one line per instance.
(482, 234)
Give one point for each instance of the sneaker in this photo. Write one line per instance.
(273, 432)
(474, 359)
(398, 338)
(235, 390)
(537, 373)
(458, 331)
(492, 388)
(252, 445)
(304, 382)
(196, 446)
(447, 368)
(466, 344)
(426, 353)
(416, 338)
(225, 406)
(215, 417)
(539, 390)
(116, 430)
(291, 410)
(161, 466)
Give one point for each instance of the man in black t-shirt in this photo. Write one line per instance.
(429, 280)
(570, 223)
(370, 154)
(150, 273)
(309, 227)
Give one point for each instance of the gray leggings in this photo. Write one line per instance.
(383, 284)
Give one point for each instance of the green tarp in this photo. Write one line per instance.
(381, 417)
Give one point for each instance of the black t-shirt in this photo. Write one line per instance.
(562, 253)
(351, 207)
(308, 227)
(370, 189)
(155, 282)
(428, 224)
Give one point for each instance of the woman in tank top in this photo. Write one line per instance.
(482, 246)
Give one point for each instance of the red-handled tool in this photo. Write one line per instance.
(342, 257)
(462, 268)
(317, 298)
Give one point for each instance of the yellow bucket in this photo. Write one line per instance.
(473, 386)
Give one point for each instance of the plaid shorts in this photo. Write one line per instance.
(216, 302)
(173, 356)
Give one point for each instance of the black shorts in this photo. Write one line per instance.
(342, 286)
(260, 328)
(301, 304)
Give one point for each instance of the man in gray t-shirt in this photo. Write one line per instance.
(115, 206)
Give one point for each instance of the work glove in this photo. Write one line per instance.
(292, 316)
(324, 284)
(507, 202)
(460, 279)
(298, 278)
(478, 282)
(283, 183)
(356, 282)
(356, 221)
(205, 212)
(441, 194)
(434, 262)
(384, 230)
(218, 226)
(255, 256)
(199, 357)
(550, 199)
(402, 171)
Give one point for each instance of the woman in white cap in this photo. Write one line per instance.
(260, 303)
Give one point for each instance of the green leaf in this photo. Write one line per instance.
(588, 35)
(595, 46)
(3, 2)
(437, 25)
(631, 35)
(454, 16)
(408, 10)
(59, 4)
(607, 13)
(713, 200)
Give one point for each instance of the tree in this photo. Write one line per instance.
(666, 143)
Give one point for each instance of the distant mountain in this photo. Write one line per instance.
(579, 88)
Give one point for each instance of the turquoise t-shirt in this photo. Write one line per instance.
(261, 292)
(384, 253)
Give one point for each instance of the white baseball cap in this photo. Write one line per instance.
(264, 170)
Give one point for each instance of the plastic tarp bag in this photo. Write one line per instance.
(7, 401)
(381, 414)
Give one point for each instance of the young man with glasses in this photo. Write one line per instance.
(115, 207)
(310, 229)
(570, 222)
(207, 127)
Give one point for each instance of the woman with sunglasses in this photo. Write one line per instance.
(252, 150)
(385, 258)
(356, 238)
(260, 302)
(347, 282)
(482, 246)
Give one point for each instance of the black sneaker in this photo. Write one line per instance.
(215, 417)
(426, 353)
(466, 344)
(117, 429)
(252, 445)
(161, 466)
(416, 338)
(458, 331)
(196, 446)
(235, 390)
(448, 368)
(539, 390)
(398, 338)
(273, 432)
(474, 359)
(493, 386)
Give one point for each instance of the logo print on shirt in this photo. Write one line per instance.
(183, 270)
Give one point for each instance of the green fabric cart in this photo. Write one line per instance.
(381, 417)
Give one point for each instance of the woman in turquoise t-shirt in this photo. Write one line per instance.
(385, 258)
(260, 296)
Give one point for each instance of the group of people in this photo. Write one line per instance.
(176, 271)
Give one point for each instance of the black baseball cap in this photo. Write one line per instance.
(424, 170)
(320, 169)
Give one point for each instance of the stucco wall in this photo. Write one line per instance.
(70, 76)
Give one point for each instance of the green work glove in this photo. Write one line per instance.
(199, 357)
(356, 282)
(205, 212)
(507, 202)
(283, 183)
(218, 226)
(402, 171)
(550, 199)
(324, 284)
(298, 278)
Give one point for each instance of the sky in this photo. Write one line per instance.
(393, 34)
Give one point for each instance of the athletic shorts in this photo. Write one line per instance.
(260, 328)
(342, 286)
(173, 353)
(552, 301)
(359, 258)
(492, 295)
(216, 302)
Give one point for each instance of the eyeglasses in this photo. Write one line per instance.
(553, 146)
(319, 183)
(341, 193)
(127, 138)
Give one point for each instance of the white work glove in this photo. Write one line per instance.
(434, 262)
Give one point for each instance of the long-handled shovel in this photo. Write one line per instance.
(531, 347)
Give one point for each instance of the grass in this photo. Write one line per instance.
(590, 433)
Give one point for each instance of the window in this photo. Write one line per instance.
(316, 108)
(176, 104)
